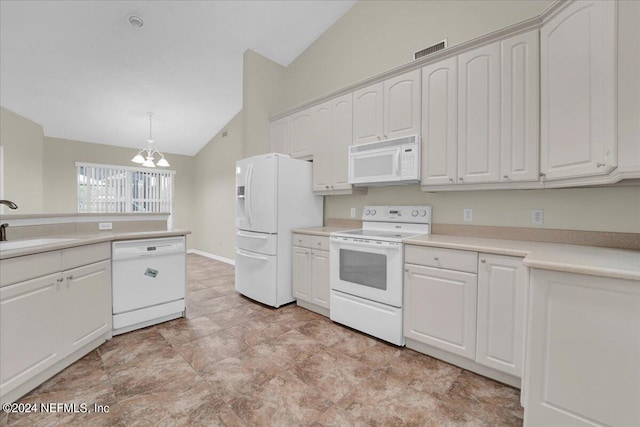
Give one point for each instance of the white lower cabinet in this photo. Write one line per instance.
(440, 308)
(311, 272)
(31, 315)
(48, 322)
(583, 351)
(467, 309)
(87, 313)
(502, 288)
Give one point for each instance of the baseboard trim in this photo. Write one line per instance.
(212, 256)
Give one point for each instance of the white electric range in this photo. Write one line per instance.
(367, 269)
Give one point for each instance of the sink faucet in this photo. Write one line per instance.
(3, 227)
(3, 232)
(9, 203)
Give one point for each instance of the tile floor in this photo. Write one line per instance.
(234, 362)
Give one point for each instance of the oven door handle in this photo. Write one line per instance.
(385, 245)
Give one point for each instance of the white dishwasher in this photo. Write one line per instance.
(148, 282)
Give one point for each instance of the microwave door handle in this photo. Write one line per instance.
(396, 166)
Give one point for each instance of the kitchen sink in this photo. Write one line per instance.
(20, 244)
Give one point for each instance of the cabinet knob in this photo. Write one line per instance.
(600, 165)
(70, 277)
(326, 186)
(450, 179)
(378, 137)
(386, 136)
(505, 176)
(460, 178)
(406, 270)
(60, 280)
(483, 260)
(435, 258)
(542, 175)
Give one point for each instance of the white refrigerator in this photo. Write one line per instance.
(274, 194)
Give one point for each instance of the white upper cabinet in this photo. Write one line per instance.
(388, 109)
(341, 138)
(301, 133)
(367, 114)
(322, 147)
(401, 112)
(279, 136)
(479, 115)
(439, 122)
(578, 91)
(520, 108)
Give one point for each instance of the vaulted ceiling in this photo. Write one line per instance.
(82, 71)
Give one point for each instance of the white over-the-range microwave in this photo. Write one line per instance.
(388, 162)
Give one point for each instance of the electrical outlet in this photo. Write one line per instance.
(537, 216)
(468, 215)
(105, 226)
(353, 212)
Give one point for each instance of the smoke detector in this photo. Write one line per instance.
(136, 21)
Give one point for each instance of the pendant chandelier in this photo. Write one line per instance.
(145, 155)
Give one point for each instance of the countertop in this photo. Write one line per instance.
(88, 239)
(590, 260)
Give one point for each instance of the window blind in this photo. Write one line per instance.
(117, 189)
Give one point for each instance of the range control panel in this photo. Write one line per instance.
(412, 214)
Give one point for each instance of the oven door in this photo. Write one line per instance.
(367, 268)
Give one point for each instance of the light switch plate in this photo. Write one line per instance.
(353, 212)
(105, 226)
(468, 215)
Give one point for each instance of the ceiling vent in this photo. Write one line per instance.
(429, 50)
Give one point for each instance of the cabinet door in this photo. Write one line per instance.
(440, 308)
(520, 108)
(301, 133)
(320, 278)
(402, 105)
(479, 115)
(341, 138)
(367, 114)
(578, 91)
(301, 274)
(322, 147)
(30, 329)
(502, 287)
(87, 304)
(279, 136)
(439, 122)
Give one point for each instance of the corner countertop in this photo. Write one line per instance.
(321, 231)
(88, 239)
(590, 260)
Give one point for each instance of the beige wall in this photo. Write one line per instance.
(60, 156)
(375, 36)
(262, 96)
(21, 140)
(214, 191)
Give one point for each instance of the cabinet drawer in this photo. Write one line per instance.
(450, 259)
(302, 240)
(28, 267)
(85, 255)
(320, 242)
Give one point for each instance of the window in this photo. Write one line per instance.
(115, 189)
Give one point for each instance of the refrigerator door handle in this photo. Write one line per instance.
(248, 192)
(239, 252)
(250, 236)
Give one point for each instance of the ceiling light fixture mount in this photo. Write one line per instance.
(145, 155)
(136, 21)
